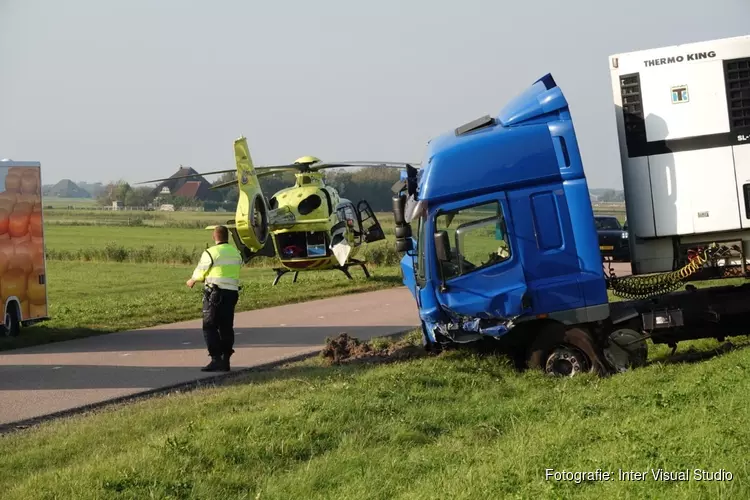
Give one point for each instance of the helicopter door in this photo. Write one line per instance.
(368, 221)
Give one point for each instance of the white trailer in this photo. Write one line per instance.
(23, 265)
(683, 121)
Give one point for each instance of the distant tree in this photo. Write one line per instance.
(371, 184)
(138, 197)
(227, 194)
(607, 195)
(114, 191)
(180, 201)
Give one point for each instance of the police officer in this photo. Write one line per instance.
(219, 269)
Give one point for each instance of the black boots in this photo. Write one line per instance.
(226, 357)
(219, 364)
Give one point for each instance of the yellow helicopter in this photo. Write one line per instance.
(307, 226)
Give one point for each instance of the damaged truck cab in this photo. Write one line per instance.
(505, 245)
(503, 242)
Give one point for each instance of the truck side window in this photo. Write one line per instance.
(482, 238)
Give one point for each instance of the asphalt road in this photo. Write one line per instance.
(46, 379)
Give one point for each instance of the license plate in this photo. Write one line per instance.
(606, 248)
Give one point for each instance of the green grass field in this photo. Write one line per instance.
(72, 238)
(454, 426)
(64, 203)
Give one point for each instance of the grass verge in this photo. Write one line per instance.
(458, 425)
(101, 297)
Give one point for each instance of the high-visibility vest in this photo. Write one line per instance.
(220, 266)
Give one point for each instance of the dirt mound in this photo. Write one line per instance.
(344, 349)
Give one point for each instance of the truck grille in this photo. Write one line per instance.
(737, 78)
(632, 110)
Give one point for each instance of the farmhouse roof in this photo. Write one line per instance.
(67, 189)
(189, 189)
(192, 187)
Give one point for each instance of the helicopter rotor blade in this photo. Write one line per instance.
(372, 162)
(278, 170)
(300, 167)
(380, 164)
(224, 184)
(187, 176)
(285, 165)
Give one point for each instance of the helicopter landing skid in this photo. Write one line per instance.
(344, 269)
(281, 272)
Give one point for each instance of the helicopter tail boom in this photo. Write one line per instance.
(252, 213)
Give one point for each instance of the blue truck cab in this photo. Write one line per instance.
(502, 227)
(505, 249)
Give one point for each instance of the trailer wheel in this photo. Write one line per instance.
(564, 352)
(12, 325)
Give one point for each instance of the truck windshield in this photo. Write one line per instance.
(479, 236)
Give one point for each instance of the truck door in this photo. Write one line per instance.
(368, 221)
(483, 275)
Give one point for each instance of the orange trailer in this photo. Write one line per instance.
(23, 267)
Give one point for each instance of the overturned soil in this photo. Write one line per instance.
(344, 349)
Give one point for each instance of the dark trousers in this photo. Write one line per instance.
(218, 320)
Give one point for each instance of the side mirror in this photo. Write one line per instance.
(625, 226)
(398, 205)
(404, 246)
(442, 246)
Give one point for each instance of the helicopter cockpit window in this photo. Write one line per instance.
(309, 204)
(330, 203)
(349, 212)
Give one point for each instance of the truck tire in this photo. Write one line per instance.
(564, 352)
(12, 326)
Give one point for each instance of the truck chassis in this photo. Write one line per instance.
(619, 343)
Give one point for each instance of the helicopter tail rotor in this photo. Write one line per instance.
(252, 211)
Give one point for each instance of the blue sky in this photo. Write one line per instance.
(100, 91)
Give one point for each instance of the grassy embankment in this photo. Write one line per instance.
(454, 426)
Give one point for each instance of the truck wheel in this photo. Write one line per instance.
(562, 352)
(12, 326)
